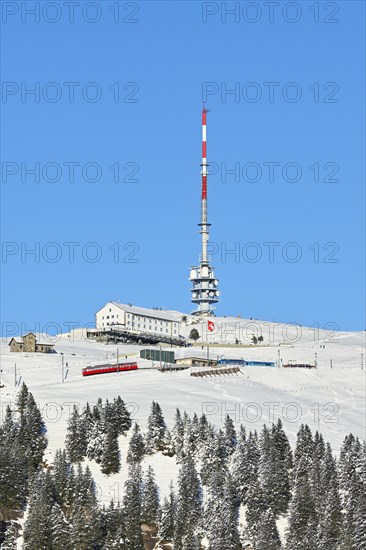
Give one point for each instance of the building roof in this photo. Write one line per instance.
(155, 313)
(194, 357)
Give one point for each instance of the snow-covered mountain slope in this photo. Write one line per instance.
(329, 399)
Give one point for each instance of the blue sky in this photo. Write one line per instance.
(160, 64)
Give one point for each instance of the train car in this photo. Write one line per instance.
(260, 363)
(299, 366)
(106, 368)
(241, 362)
(244, 363)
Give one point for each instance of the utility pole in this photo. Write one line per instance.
(279, 357)
(316, 360)
(15, 374)
(62, 369)
(331, 363)
(208, 355)
(160, 356)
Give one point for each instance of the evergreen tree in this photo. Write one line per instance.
(214, 457)
(167, 518)
(301, 534)
(273, 473)
(194, 334)
(122, 417)
(268, 537)
(32, 432)
(239, 464)
(330, 524)
(84, 487)
(86, 528)
(178, 435)
(304, 449)
(245, 465)
(189, 507)
(75, 442)
(256, 507)
(10, 540)
(96, 440)
(360, 522)
(150, 499)
(230, 436)
(87, 421)
(136, 449)
(221, 514)
(37, 529)
(328, 471)
(156, 429)
(132, 504)
(115, 529)
(9, 429)
(282, 445)
(71, 487)
(110, 461)
(61, 476)
(59, 529)
(13, 477)
(22, 398)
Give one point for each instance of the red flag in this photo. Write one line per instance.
(210, 326)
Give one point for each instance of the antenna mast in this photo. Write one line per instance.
(204, 292)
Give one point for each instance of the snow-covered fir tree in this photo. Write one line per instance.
(111, 459)
(60, 529)
(178, 435)
(302, 521)
(268, 537)
(359, 538)
(38, 529)
(150, 499)
(221, 513)
(230, 436)
(32, 432)
(156, 429)
(22, 398)
(132, 504)
(114, 520)
(136, 448)
(11, 535)
(75, 441)
(189, 507)
(330, 523)
(168, 516)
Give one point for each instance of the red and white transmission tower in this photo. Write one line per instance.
(205, 291)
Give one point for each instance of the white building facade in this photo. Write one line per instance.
(136, 319)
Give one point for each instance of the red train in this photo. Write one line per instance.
(103, 369)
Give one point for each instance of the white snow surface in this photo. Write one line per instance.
(329, 399)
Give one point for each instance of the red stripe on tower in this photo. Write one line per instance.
(204, 155)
